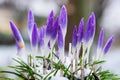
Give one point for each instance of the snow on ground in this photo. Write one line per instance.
(112, 58)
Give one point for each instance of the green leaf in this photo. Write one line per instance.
(98, 62)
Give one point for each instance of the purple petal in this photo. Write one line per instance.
(81, 30)
(49, 24)
(34, 35)
(17, 36)
(42, 35)
(60, 38)
(101, 38)
(90, 28)
(108, 44)
(74, 37)
(54, 29)
(30, 20)
(63, 17)
(16, 32)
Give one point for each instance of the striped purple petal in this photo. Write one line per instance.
(17, 36)
(74, 37)
(54, 29)
(42, 35)
(80, 30)
(90, 28)
(63, 17)
(30, 20)
(63, 20)
(101, 38)
(60, 38)
(49, 24)
(108, 44)
(34, 41)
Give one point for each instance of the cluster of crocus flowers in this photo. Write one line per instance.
(54, 32)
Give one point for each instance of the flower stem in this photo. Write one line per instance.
(82, 64)
(44, 65)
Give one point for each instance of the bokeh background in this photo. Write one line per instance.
(107, 15)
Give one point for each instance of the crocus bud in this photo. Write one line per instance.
(60, 38)
(30, 21)
(42, 35)
(74, 37)
(101, 38)
(108, 44)
(63, 20)
(53, 33)
(17, 36)
(34, 37)
(49, 24)
(90, 28)
(61, 45)
(54, 29)
(80, 31)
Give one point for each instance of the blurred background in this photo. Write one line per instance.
(107, 15)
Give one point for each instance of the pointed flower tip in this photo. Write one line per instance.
(101, 39)
(82, 20)
(63, 7)
(54, 29)
(63, 17)
(30, 12)
(49, 24)
(51, 14)
(92, 18)
(30, 20)
(90, 28)
(108, 44)
(92, 15)
(34, 35)
(74, 37)
(81, 30)
(81, 24)
(12, 24)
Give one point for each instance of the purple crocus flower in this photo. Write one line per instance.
(80, 31)
(34, 37)
(30, 21)
(90, 28)
(101, 38)
(54, 29)
(17, 35)
(60, 38)
(108, 44)
(42, 35)
(74, 37)
(49, 24)
(63, 20)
